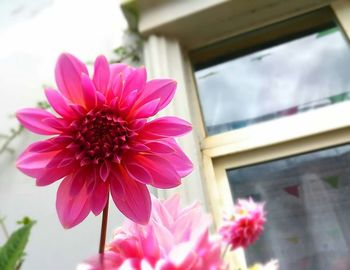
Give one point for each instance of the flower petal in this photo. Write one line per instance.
(163, 173)
(150, 245)
(116, 187)
(164, 89)
(105, 169)
(116, 85)
(137, 124)
(161, 147)
(33, 120)
(89, 92)
(99, 197)
(101, 99)
(136, 202)
(138, 173)
(168, 126)
(136, 80)
(128, 101)
(182, 164)
(172, 204)
(56, 123)
(52, 144)
(116, 80)
(32, 163)
(59, 104)
(78, 181)
(68, 77)
(116, 69)
(61, 157)
(101, 74)
(78, 110)
(183, 255)
(146, 110)
(71, 210)
(50, 175)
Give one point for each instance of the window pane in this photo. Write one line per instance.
(308, 205)
(286, 79)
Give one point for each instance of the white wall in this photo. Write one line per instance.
(32, 35)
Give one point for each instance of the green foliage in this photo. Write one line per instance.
(14, 132)
(12, 252)
(43, 105)
(25, 221)
(129, 53)
(131, 13)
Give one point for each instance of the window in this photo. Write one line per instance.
(293, 77)
(275, 106)
(307, 197)
(290, 75)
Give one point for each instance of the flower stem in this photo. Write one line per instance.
(10, 138)
(103, 228)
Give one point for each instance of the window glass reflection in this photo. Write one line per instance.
(293, 77)
(307, 201)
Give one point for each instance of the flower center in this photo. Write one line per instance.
(100, 135)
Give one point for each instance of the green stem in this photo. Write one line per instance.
(103, 229)
(10, 138)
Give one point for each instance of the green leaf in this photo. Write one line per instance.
(13, 250)
(43, 105)
(25, 221)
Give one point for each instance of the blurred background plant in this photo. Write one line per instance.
(12, 253)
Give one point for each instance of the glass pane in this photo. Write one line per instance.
(308, 205)
(292, 77)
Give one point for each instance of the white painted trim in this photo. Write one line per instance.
(278, 131)
(164, 59)
(197, 23)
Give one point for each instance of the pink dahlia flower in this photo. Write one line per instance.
(244, 226)
(175, 239)
(102, 141)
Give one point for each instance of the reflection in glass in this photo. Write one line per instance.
(308, 205)
(293, 77)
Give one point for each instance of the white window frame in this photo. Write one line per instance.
(213, 155)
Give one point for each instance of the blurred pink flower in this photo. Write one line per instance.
(102, 140)
(244, 225)
(175, 239)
